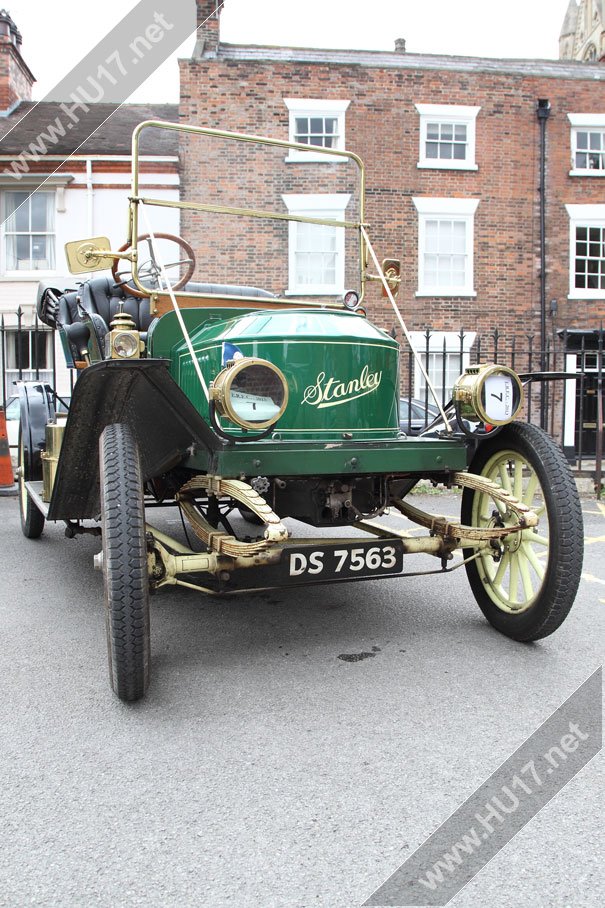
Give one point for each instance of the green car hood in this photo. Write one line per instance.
(342, 371)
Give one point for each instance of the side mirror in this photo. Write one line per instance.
(391, 268)
(89, 255)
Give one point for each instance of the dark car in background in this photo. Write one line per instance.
(415, 415)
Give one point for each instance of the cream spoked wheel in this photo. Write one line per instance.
(513, 569)
(525, 583)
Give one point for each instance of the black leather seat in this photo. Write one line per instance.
(102, 297)
(99, 297)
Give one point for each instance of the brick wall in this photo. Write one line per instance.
(382, 126)
(15, 78)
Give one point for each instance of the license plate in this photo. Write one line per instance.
(349, 561)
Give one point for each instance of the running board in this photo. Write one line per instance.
(35, 491)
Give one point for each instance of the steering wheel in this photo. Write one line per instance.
(149, 270)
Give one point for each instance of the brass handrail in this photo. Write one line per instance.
(136, 199)
(246, 212)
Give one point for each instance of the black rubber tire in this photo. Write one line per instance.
(32, 520)
(125, 570)
(556, 487)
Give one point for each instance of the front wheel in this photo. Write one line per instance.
(526, 584)
(125, 570)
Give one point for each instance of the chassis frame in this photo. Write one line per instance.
(135, 436)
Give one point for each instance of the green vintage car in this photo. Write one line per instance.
(269, 400)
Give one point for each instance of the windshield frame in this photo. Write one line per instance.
(135, 200)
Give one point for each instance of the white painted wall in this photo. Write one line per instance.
(87, 212)
(101, 212)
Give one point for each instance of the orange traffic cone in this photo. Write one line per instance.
(7, 480)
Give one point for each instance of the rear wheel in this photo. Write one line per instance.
(124, 563)
(526, 585)
(250, 517)
(32, 520)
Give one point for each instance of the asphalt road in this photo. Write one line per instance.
(263, 769)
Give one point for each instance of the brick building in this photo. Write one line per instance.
(478, 171)
(74, 196)
(16, 78)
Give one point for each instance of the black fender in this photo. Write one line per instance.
(37, 407)
(141, 394)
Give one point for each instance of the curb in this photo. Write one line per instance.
(10, 491)
(584, 484)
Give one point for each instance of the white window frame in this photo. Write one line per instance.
(450, 114)
(585, 122)
(11, 365)
(329, 206)
(462, 210)
(436, 345)
(315, 107)
(583, 216)
(28, 273)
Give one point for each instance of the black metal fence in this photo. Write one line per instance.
(27, 353)
(569, 407)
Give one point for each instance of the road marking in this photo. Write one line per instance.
(589, 540)
(601, 507)
(592, 579)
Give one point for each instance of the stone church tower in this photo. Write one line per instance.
(583, 33)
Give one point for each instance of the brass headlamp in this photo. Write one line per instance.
(491, 393)
(250, 392)
(123, 341)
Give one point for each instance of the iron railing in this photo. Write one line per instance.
(27, 353)
(569, 406)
